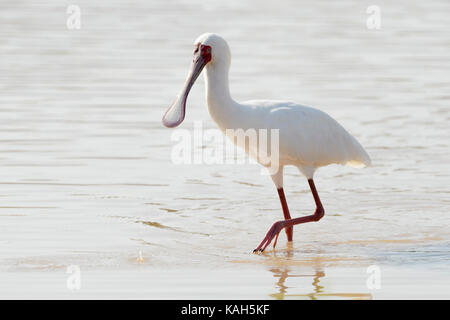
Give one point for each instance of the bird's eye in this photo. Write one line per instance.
(208, 50)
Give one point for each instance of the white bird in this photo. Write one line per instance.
(308, 138)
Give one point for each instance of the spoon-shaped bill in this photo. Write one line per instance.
(176, 112)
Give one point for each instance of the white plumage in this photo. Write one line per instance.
(309, 138)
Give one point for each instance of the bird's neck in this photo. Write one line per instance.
(220, 104)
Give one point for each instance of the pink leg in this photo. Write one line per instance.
(279, 225)
(287, 215)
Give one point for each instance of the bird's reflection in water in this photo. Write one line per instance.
(284, 272)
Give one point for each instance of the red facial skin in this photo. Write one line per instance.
(204, 51)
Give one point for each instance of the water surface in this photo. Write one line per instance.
(85, 171)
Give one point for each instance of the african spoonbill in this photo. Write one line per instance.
(308, 138)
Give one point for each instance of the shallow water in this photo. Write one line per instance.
(86, 177)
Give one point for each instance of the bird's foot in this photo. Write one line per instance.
(273, 232)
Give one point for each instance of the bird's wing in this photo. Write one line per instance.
(310, 136)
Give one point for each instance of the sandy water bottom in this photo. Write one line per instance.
(276, 278)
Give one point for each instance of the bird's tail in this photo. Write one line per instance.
(360, 157)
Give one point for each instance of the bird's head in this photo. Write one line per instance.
(209, 50)
(216, 45)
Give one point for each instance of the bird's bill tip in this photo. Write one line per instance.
(174, 116)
